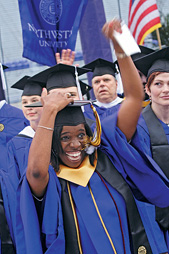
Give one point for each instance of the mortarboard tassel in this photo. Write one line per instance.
(96, 140)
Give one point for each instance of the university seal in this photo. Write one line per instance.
(51, 10)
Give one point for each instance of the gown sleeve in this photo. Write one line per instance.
(50, 224)
(138, 169)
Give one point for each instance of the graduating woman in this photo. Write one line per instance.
(12, 121)
(152, 129)
(84, 202)
(18, 146)
(17, 151)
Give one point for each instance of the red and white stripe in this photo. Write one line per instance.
(143, 18)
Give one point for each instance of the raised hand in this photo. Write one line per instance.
(67, 57)
(109, 28)
(56, 101)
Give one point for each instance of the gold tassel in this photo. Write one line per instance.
(96, 140)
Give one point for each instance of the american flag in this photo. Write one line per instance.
(143, 18)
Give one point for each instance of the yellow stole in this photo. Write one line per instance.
(80, 175)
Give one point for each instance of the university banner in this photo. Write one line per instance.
(94, 43)
(48, 26)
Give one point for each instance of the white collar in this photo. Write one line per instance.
(2, 103)
(28, 131)
(110, 104)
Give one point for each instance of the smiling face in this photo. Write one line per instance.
(32, 114)
(72, 140)
(105, 88)
(159, 90)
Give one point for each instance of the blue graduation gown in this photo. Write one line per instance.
(93, 238)
(140, 172)
(9, 203)
(138, 169)
(18, 151)
(13, 121)
(102, 112)
(142, 137)
(28, 232)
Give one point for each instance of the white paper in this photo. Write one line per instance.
(126, 41)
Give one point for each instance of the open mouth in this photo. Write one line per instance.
(74, 156)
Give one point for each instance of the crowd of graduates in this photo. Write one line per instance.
(84, 176)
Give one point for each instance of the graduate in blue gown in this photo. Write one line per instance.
(84, 201)
(17, 150)
(101, 70)
(104, 85)
(144, 51)
(7, 215)
(152, 130)
(18, 146)
(12, 121)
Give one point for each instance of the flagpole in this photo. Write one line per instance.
(158, 38)
(118, 1)
(6, 92)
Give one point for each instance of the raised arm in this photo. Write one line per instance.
(40, 150)
(131, 107)
(66, 57)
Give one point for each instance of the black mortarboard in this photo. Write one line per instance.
(156, 61)
(70, 116)
(84, 87)
(76, 103)
(101, 67)
(4, 66)
(59, 76)
(28, 86)
(144, 51)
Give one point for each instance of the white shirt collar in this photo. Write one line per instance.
(110, 104)
(2, 103)
(28, 131)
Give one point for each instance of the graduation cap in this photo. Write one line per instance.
(72, 116)
(84, 87)
(156, 61)
(4, 66)
(144, 51)
(76, 103)
(101, 67)
(28, 86)
(60, 76)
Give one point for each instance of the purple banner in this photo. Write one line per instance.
(94, 44)
(49, 26)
